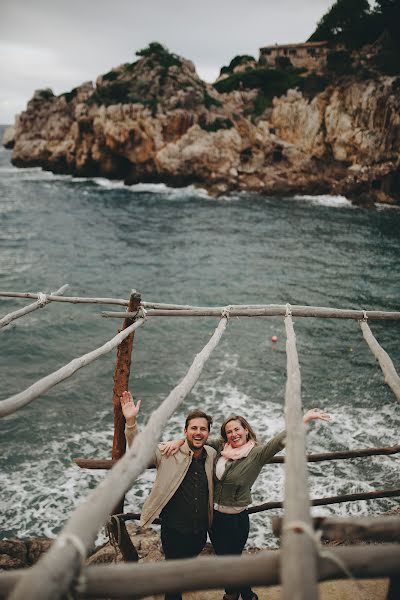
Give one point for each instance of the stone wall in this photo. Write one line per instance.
(311, 55)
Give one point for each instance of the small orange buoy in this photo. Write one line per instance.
(274, 338)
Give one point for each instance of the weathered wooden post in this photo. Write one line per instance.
(121, 383)
(298, 564)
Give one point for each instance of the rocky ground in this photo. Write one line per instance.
(19, 554)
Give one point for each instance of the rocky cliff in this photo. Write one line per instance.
(155, 120)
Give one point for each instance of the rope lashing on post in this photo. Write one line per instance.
(365, 316)
(288, 312)
(42, 299)
(79, 546)
(76, 542)
(141, 314)
(226, 312)
(315, 537)
(114, 541)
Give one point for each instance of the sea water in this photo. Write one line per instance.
(183, 246)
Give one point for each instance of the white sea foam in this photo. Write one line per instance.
(34, 174)
(381, 207)
(325, 200)
(42, 493)
(161, 189)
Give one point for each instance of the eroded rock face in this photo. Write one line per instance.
(357, 124)
(155, 120)
(9, 138)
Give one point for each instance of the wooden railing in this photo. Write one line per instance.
(298, 566)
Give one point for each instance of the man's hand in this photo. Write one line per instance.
(316, 413)
(129, 408)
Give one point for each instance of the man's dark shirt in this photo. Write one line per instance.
(187, 511)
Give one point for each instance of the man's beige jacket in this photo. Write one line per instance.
(170, 474)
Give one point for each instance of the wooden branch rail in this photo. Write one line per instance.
(213, 572)
(298, 565)
(316, 502)
(272, 310)
(54, 573)
(31, 307)
(14, 403)
(70, 299)
(106, 463)
(332, 499)
(162, 306)
(391, 377)
(381, 529)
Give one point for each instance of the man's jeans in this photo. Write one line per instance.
(181, 545)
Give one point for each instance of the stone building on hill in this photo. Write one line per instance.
(309, 55)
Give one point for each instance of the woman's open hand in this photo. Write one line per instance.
(316, 413)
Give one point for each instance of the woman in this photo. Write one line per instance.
(239, 461)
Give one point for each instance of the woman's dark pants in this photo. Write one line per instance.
(181, 545)
(229, 535)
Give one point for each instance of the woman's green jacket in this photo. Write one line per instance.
(234, 487)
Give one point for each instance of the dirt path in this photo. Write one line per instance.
(368, 589)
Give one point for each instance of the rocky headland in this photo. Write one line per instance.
(281, 130)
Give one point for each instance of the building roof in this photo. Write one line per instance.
(300, 45)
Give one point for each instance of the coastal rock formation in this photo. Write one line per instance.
(155, 120)
(9, 138)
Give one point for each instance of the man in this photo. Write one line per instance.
(182, 493)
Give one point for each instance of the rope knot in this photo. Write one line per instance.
(315, 537)
(42, 299)
(76, 542)
(288, 312)
(226, 312)
(113, 530)
(142, 313)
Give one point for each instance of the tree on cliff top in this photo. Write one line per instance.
(347, 22)
(354, 23)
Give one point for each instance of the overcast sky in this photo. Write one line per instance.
(62, 43)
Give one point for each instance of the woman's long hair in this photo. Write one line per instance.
(244, 423)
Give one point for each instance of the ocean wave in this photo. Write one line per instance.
(161, 189)
(382, 206)
(42, 493)
(325, 200)
(34, 174)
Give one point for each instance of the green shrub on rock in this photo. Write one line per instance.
(70, 95)
(388, 61)
(115, 92)
(269, 82)
(216, 125)
(235, 62)
(163, 57)
(210, 101)
(339, 62)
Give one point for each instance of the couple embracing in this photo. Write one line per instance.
(204, 485)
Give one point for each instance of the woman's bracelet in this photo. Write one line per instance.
(130, 426)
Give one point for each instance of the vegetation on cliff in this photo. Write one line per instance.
(330, 126)
(237, 61)
(354, 24)
(151, 80)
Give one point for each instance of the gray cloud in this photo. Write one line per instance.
(60, 44)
